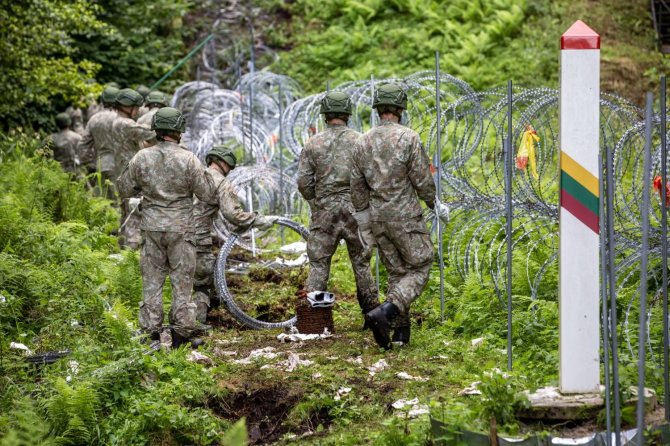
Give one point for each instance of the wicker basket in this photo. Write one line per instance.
(313, 320)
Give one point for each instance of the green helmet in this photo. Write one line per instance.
(129, 98)
(108, 95)
(168, 118)
(113, 84)
(390, 94)
(336, 102)
(157, 98)
(63, 120)
(143, 90)
(223, 153)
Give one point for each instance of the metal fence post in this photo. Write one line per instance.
(509, 161)
(439, 180)
(664, 250)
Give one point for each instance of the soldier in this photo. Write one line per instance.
(167, 176)
(323, 180)
(64, 143)
(76, 119)
(390, 173)
(128, 139)
(154, 101)
(220, 161)
(95, 147)
(144, 91)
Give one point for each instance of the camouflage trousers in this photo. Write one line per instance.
(406, 251)
(326, 230)
(203, 281)
(129, 231)
(163, 254)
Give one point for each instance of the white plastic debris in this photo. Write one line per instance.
(74, 323)
(293, 362)
(294, 248)
(19, 346)
(3, 299)
(266, 353)
(471, 389)
(357, 360)
(410, 408)
(299, 261)
(73, 367)
(378, 367)
(477, 342)
(317, 376)
(341, 392)
(115, 257)
(294, 336)
(199, 358)
(408, 377)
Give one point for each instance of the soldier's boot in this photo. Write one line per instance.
(379, 320)
(179, 340)
(367, 305)
(401, 335)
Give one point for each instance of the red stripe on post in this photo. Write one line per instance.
(581, 212)
(580, 37)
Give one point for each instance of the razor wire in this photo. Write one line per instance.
(473, 126)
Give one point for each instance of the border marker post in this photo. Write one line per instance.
(579, 345)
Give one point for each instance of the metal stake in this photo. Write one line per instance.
(642, 330)
(439, 181)
(611, 276)
(509, 160)
(372, 124)
(664, 247)
(603, 293)
(282, 209)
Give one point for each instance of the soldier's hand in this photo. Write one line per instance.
(364, 229)
(265, 222)
(441, 211)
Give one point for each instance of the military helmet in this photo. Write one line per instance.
(223, 153)
(158, 98)
(108, 95)
(63, 120)
(336, 102)
(143, 90)
(168, 118)
(390, 94)
(113, 84)
(129, 98)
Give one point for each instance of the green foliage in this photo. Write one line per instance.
(141, 40)
(501, 397)
(342, 40)
(39, 62)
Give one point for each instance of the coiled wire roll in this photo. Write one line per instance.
(225, 294)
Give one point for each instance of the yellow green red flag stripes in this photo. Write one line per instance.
(580, 192)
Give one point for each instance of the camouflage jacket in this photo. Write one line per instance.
(167, 176)
(225, 200)
(390, 168)
(127, 139)
(64, 145)
(97, 141)
(146, 118)
(325, 167)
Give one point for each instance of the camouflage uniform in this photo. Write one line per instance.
(96, 147)
(228, 203)
(145, 120)
(64, 145)
(167, 176)
(77, 117)
(390, 168)
(323, 179)
(128, 139)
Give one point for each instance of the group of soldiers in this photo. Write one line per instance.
(363, 189)
(366, 190)
(163, 187)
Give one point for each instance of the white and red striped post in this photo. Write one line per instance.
(579, 273)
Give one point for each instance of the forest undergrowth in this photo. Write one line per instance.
(64, 285)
